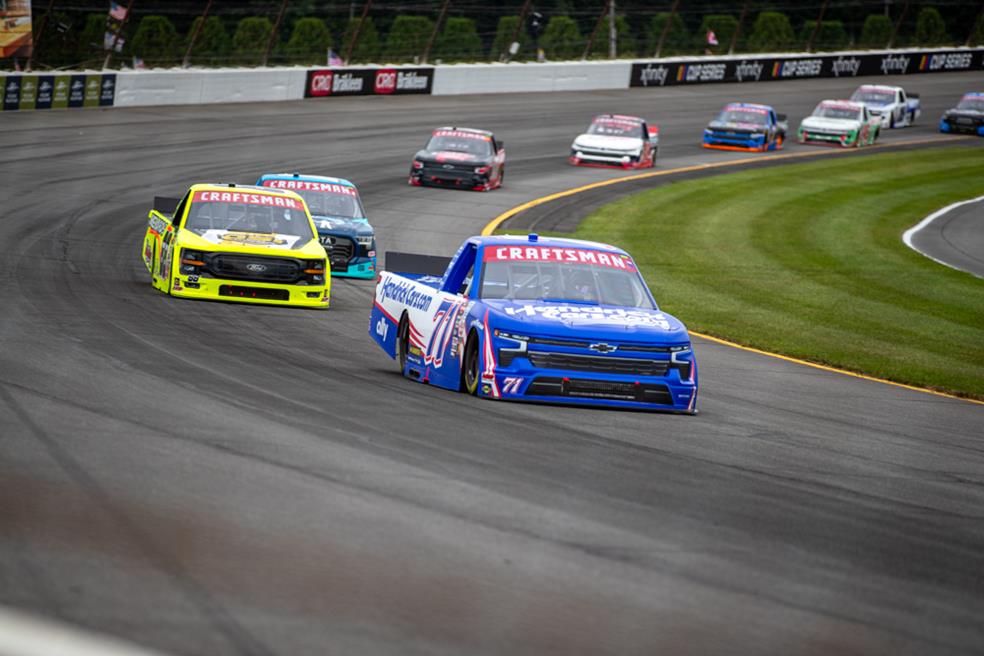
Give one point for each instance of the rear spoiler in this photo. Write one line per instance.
(166, 205)
(911, 95)
(428, 265)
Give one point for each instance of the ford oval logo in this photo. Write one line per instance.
(256, 268)
(448, 166)
(603, 348)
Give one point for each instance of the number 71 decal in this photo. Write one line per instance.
(511, 385)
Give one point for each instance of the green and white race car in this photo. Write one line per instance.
(840, 123)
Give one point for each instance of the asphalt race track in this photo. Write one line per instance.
(956, 238)
(214, 479)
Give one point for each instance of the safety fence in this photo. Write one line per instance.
(203, 86)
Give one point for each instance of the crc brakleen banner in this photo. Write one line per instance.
(323, 82)
(27, 91)
(764, 68)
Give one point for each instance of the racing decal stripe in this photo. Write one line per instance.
(488, 375)
(384, 312)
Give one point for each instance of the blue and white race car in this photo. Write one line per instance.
(535, 319)
(343, 228)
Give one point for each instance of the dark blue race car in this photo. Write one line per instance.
(343, 228)
(746, 126)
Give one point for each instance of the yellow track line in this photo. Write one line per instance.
(835, 370)
(494, 224)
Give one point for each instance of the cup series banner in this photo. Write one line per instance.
(762, 69)
(326, 82)
(58, 91)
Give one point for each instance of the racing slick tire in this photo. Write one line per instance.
(502, 176)
(470, 367)
(891, 121)
(402, 343)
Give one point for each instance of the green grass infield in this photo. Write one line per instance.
(807, 260)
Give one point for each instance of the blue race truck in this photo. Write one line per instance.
(535, 319)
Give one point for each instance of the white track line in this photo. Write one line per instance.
(24, 635)
(911, 232)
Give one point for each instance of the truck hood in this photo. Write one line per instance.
(577, 320)
(342, 226)
(605, 142)
(821, 123)
(728, 125)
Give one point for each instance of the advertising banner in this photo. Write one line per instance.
(323, 82)
(660, 73)
(15, 28)
(25, 91)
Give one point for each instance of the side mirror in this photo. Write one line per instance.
(499, 145)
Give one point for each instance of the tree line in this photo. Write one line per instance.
(156, 41)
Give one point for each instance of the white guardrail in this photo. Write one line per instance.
(135, 88)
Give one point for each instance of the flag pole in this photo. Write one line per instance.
(37, 42)
(194, 37)
(116, 35)
(273, 33)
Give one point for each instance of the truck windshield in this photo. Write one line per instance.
(838, 111)
(616, 127)
(557, 281)
(250, 214)
(324, 203)
(457, 141)
(873, 97)
(734, 115)
(974, 104)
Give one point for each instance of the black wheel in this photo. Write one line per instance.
(891, 121)
(502, 174)
(402, 343)
(470, 368)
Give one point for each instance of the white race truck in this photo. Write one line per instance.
(891, 105)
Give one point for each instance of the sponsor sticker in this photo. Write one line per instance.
(567, 255)
(107, 90)
(653, 75)
(319, 83)
(845, 66)
(307, 185)
(245, 198)
(462, 134)
(406, 293)
(385, 81)
(76, 91)
(12, 93)
(749, 70)
(589, 314)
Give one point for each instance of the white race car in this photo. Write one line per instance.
(840, 123)
(891, 105)
(616, 140)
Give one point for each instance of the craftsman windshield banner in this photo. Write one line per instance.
(58, 91)
(660, 73)
(15, 28)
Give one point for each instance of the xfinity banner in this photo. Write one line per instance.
(768, 68)
(58, 91)
(367, 81)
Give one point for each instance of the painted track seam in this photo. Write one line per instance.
(495, 223)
